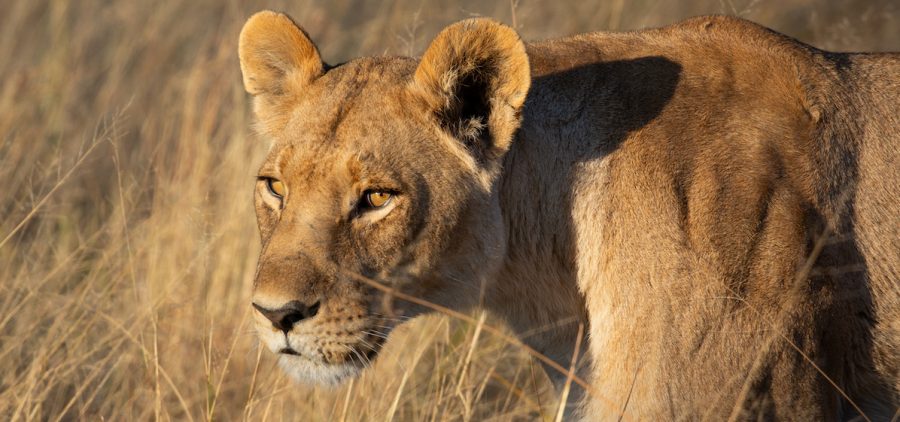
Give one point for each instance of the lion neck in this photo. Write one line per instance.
(535, 291)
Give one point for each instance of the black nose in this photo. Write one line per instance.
(285, 317)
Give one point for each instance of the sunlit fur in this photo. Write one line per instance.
(717, 202)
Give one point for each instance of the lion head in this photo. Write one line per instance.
(382, 168)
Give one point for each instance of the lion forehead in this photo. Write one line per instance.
(352, 104)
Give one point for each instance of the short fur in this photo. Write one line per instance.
(716, 201)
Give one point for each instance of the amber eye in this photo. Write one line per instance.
(377, 199)
(276, 187)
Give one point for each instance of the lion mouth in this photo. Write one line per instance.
(289, 351)
(327, 360)
(360, 355)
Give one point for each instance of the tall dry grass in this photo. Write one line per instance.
(127, 237)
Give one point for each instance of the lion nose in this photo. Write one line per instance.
(285, 317)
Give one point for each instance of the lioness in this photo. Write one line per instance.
(717, 202)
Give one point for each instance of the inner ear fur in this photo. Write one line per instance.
(277, 57)
(474, 79)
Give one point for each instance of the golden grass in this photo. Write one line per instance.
(127, 237)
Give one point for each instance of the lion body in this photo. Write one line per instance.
(716, 203)
(683, 178)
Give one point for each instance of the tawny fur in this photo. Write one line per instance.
(717, 202)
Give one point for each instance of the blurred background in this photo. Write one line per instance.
(127, 237)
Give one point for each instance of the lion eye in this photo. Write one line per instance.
(377, 199)
(276, 187)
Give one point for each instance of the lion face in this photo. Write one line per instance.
(380, 169)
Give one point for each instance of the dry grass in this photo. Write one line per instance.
(127, 237)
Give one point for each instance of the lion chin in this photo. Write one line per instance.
(307, 371)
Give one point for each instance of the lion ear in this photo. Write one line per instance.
(277, 57)
(473, 79)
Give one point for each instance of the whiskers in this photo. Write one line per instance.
(366, 346)
(361, 358)
(391, 320)
(376, 333)
(382, 325)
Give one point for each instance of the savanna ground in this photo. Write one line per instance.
(127, 237)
